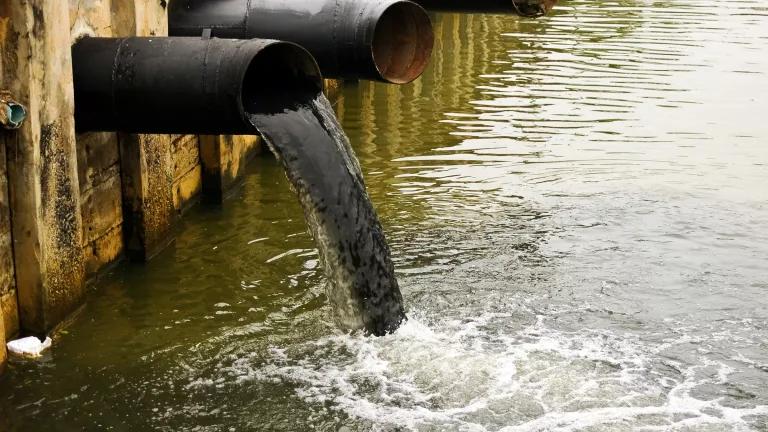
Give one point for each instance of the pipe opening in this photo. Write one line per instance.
(17, 114)
(12, 115)
(281, 74)
(402, 42)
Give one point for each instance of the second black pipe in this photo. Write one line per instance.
(384, 40)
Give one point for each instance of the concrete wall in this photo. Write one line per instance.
(3, 353)
(73, 204)
(42, 178)
(8, 304)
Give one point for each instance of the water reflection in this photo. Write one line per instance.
(612, 155)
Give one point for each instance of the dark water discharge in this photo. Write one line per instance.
(577, 212)
(301, 129)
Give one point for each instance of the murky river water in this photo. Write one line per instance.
(578, 211)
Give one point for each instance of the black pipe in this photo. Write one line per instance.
(384, 40)
(180, 85)
(526, 8)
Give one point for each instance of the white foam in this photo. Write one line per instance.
(472, 375)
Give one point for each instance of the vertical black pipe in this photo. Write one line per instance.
(178, 85)
(385, 40)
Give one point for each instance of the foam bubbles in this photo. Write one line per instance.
(458, 375)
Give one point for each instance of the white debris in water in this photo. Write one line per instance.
(221, 305)
(30, 347)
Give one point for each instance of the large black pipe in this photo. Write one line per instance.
(526, 8)
(384, 40)
(180, 85)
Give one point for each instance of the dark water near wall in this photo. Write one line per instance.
(577, 210)
(304, 134)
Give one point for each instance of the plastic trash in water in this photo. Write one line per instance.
(30, 347)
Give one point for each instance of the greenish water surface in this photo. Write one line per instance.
(578, 212)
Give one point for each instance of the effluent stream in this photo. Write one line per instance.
(301, 128)
(576, 209)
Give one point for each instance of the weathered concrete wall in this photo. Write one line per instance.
(146, 160)
(187, 171)
(72, 204)
(148, 212)
(8, 304)
(98, 158)
(224, 159)
(98, 161)
(42, 162)
(3, 353)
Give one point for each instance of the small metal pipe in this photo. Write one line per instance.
(180, 85)
(12, 113)
(525, 8)
(383, 40)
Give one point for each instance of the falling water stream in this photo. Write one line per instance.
(301, 129)
(577, 213)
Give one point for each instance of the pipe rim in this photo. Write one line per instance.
(14, 115)
(403, 39)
